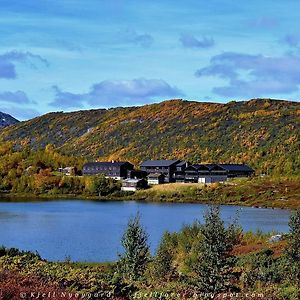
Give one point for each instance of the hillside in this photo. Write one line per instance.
(262, 132)
(7, 120)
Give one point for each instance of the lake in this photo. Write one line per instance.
(91, 231)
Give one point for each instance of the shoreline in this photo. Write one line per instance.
(15, 198)
(270, 192)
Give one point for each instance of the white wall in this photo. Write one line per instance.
(128, 188)
(153, 181)
(212, 179)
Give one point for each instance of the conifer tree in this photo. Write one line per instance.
(293, 247)
(136, 250)
(164, 258)
(214, 263)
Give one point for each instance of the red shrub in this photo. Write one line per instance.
(15, 287)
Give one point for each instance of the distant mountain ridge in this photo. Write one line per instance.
(263, 133)
(7, 120)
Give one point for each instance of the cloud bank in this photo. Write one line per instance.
(254, 75)
(116, 92)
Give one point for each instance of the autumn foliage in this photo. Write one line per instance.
(14, 286)
(263, 133)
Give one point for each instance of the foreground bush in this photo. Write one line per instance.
(15, 287)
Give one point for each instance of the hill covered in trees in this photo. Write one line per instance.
(261, 132)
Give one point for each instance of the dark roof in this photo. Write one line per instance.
(199, 166)
(181, 163)
(236, 167)
(225, 167)
(106, 164)
(158, 163)
(210, 166)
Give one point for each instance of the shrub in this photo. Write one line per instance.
(16, 252)
(293, 247)
(263, 268)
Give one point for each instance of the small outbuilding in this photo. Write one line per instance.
(68, 171)
(132, 185)
(155, 178)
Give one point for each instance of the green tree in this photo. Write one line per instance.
(293, 247)
(214, 263)
(164, 258)
(136, 250)
(101, 185)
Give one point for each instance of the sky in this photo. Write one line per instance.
(66, 55)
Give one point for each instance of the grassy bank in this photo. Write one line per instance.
(259, 192)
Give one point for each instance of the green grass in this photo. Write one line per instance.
(259, 191)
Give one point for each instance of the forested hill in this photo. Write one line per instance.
(262, 132)
(6, 120)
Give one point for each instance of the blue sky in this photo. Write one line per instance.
(71, 54)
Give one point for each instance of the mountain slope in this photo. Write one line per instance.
(7, 120)
(262, 132)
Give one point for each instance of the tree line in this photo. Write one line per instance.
(36, 172)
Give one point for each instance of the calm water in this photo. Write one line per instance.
(91, 231)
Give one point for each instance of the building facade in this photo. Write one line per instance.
(164, 167)
(183, 171)
(116, 170)
(237, 170)
(179, 174)
(210, 173)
